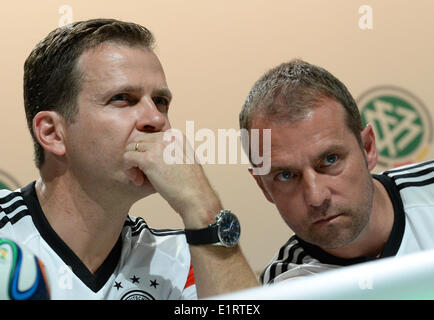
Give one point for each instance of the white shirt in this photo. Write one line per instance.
(411, 190)
(144, 264)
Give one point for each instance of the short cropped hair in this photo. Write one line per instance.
(289, 91)
(52, 80)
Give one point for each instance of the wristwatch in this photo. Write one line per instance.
(224, 232)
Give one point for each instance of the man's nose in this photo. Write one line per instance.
(149, 118)
(315, 189)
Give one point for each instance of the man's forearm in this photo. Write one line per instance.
(219, 270)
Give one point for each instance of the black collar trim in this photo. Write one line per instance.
(93, 281)
(392, 244)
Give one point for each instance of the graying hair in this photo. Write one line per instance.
(289, 91)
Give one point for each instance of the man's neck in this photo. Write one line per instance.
(373, 238)
(88, 227)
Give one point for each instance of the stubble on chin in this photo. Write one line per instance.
(349, 226)
(339, 233)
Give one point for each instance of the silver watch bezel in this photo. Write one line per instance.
(224, 214)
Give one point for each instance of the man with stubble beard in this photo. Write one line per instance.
(320, 179)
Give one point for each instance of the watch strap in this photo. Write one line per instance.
(206, 235)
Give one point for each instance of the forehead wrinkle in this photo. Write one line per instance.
(313, 144)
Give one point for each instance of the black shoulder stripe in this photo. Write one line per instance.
(283, 260)
(281, 253)
(284, 263)
(272, 272)
(14, 219)
(138, 225)
(300, 257)
(413, 174)
(136, 231)
(13, 206)
(135, 225)
(415, 184)
(166, 232)
(422, 164)
(291, 253)
(129, 222)
(271, 269)
(284, 268)
(9, 197)
(156, 232)
(141, 224)
(261, 277)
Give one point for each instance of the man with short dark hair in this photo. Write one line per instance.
(97, 104)
(320, 179)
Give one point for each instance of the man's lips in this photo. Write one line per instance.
(327, 219)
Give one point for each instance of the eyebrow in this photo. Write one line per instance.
(330, 149)
(279, 168)
(163, 91)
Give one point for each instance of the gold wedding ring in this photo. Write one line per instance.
(136, 147)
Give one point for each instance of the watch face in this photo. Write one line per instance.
(229, 229)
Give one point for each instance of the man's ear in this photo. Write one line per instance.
(261, 185)
(369, 146)
(48, 127)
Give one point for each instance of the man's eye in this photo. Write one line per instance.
(123, 100)
(161, 100)
(331, 159)
(284, 176)
(161, 103)
(119, 97)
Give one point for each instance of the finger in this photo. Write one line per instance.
(132, 170)
(149, 137)
(135, 147)
(142, 146)
(140, 160)
(132, 159)
(136, 176)
(156, 138)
